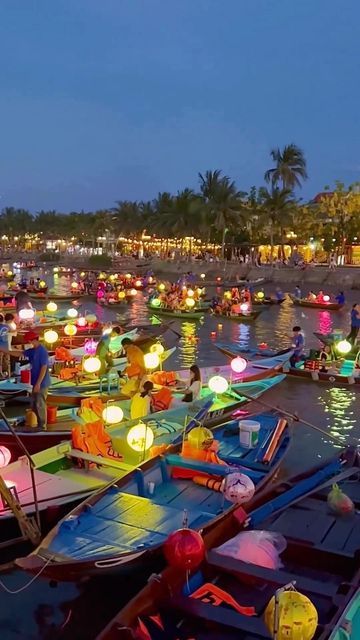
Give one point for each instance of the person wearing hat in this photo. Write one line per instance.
(40, 378)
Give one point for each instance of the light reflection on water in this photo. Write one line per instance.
(188, 345)
(339, 404)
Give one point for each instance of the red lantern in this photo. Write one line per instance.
(184, 549)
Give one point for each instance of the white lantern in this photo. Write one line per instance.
(26, 314)
(151, 360)
(140, 437)
(72, 313)
(51, 336)
(218, 384)
(112, 414)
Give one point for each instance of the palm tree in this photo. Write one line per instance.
(181, 216)
(278, 205)
(223, 201)
(290, 167)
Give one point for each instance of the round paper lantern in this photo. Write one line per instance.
(244, 307)
(92, 364)
(190, 293)
(10, 274)
(326, 298)
(190, 302)
(72, 313)
(218, 384)
(90, 347)
(74, 285)
(100, 293)
(151, 360)
(238, 364)
(121, 295)
(198, 437)
(42, 284)
(128, 276)
(112, 414)
(260, 295)
(51, 336)
(56, 269)
(51, 307)
(238, 488)
(155, 302)
(161, 286)
(227, 295)
(5, 456)
(138, 283)
(157, 348)
(140, 437)
(26, 314)
(81, 322)
(298, 618)
(91, 318)
(218, 279)
(82, 274)
(202, 276)
(150, 279)
(184, 549)
(133, 292)
(344, 347)
(70, 330)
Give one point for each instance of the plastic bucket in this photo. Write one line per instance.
(25, 376)
(51, 414)
(249, 433)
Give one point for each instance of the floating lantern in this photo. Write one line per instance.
(155, 302)
(5, 457)
(112, 277)
(101, 276)
(90, 347)
(91, 364)
(26, 314)
(140, 437)
(151, 360)
(51, 336)
(184, 549)
(133, 292)
(344, 347)
(244, 307)
(199, 291)
(190, 302)
(128, 276)
(70, 330)
(51, 307)
(91, 318)
(238, 364)
(42, 284)
(326, 298)
(121, 295)
(190, 293)
(260, 295)
(112, 414)
(202, 276)
(161, 286)
(72, 313)
(218, 384)
(297, 616)
(81, 322)
(157, 348)
(138, 283)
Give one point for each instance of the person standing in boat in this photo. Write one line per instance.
(298, 346)
(340, 298)
(38, 357)
(355, 324)
(103, 349)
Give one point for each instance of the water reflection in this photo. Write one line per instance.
(325, 322)
(188, 347)
(338, 405)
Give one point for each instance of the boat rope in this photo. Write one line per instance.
(29, 583)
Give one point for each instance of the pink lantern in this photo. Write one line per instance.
(326, 298)
(238, 364)
(100, 293)
(244, 307)
(90, 347)
(5, 457)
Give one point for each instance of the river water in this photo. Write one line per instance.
(49, 611)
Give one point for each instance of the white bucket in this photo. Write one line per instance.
(249, 433)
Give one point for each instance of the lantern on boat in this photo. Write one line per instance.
(51, 307)
(238, 488)
(199, 437)
(72, 313)
(112, 414)
(70, 330)
(91, 318)
(326, 298)
(190, 302)
(92, 364)
(161, 286)
(138, 283)
(90, 347)
(112, 277)
(244, 307)
(260, 295)
(74, 285)
(190, 293)
(51, 336)
(101, 276)
(202, 276)
(128, 276)
(150, 279)
(26, 314)
(184, 549)
(56, 270)
(344, 347)
(5, 457)
(218, 279)
(81, 322)
(121, 295)
(100, 294)
(151, 360)
(133, 292)
(297, 616)
(227, 295)
(157, 348)
(82, 274)
(155, 302)
(42, 284)
(140, 437)
(218, 384)
(238, 364)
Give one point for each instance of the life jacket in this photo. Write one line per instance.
(160, 628)
(92, 438)
(164, 378)
(135, 358)
(162, 399)
(140, 406)
(68, 373)
(208, 455)
(91, 409)
(62, 354)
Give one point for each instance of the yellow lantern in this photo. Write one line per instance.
(72, 313)
(91, 318)
(51, 307)
(151, 360)
(140, 437)
(112, 414)
(161, 286)
(190, 293)
(82, 274)
(112, 277)
(298, 618)
(199, 291)
(70, 330)
(218, 384)
(190, 302)
(42, 284)
(344, 347)
(128, 276)
(51, 336)
(260, 295)
(101, 276)
(92, 364)
(227, 295)
(199, 437)
(74, 285)
(157, 348)
(121, 295)
(10, 274)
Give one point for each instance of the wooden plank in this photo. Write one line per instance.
(301, 524)
(104, 462)
(339, 533)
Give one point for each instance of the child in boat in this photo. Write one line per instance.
(298, 346)
(141, 402)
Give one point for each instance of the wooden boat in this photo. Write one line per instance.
(330, 377)
(329, 306)
(232, 350)
(193, 314)
(321, 558)
(223, 407)
(266, 301)
(241, 317)
(125, 525)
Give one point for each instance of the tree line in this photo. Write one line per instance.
(217, 212)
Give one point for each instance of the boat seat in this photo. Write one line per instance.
(175, 460)
(263, 574)
(105, 462)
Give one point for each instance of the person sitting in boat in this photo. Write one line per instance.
(298, 346)
(325, 358)
(340, 298)
(103, 350)
(141, 402)
(193, 390)
(320, 297)
(235, 294)
(311, 296)
(297, 292)
(279, 294)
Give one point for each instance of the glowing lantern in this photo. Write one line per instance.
(100, 293)
(128, 276)
(140, 437)
(72, 313)
(51, 307)
(112, 277)
(199, 437)
(151, 360)
(202, 276)
(42, 284)
(227, 295)
(102, 276)
(150, 279)
(184, 549)
(297, 616)
(199, 291)
(81, 322)
(90, 347)
(157, 348)
(121, 295)
(10, 274)
(161, 286)
(51, 336)
(92, 364)
(155, 302)
(190, 302)
(238, 488)
(238, 364)
(190, 293)
(91, 318)
(74, 285)
(70, 330)
(133, 292)
(26, 314)
(82, 274)
(56, 269)
(260, 295)
(5, 457)
(218, 384)
(218, 279)
(112, 414)
(138, 283)
(326, 298)
(244, 307)
(344, 347)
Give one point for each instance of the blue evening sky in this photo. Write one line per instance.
(119, 99)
